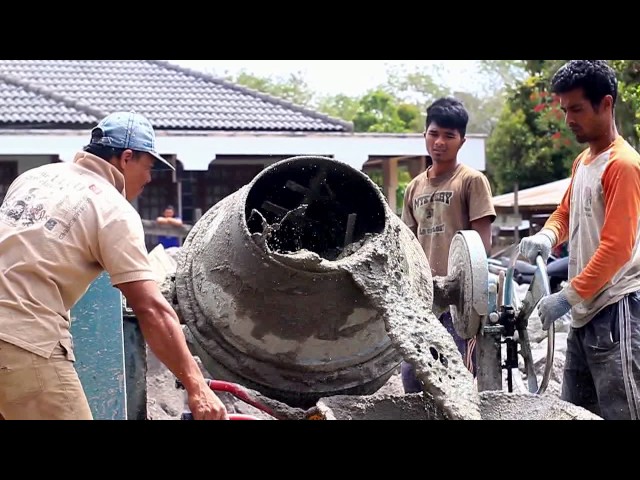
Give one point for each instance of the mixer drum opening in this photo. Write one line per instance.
(314, 204)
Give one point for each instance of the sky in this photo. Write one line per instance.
(349, 77)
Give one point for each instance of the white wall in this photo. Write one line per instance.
(26, 162)
(197, 150)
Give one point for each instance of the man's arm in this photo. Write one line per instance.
(169, 221)
(483, 227)
(557, 225)
(481, 210)
(121, 251)
(162, 332)
(621, 191)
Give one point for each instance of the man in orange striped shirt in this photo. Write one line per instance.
(599, 216)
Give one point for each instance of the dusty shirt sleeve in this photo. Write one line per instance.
(479, 199)
(122, 251)
(407, 208)
(621, 191)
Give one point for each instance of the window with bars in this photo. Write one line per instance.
(8, 173)
(221, 181)
(157, 195)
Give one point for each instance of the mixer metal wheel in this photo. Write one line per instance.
(468, 267)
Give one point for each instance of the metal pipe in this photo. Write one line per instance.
(551, 336)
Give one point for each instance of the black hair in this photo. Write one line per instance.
(595, 77)
(169, 207)
(448, 112)
(105, 152)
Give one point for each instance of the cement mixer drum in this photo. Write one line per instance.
(261, 288)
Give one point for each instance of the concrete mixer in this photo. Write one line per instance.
(304, 286)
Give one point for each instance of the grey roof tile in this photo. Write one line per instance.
(22, 105)
(171, 97)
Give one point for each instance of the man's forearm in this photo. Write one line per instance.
(165, 338)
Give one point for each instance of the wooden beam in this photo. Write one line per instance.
(151, 227)
(390, 180)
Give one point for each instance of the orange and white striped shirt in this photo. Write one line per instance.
(599, 216)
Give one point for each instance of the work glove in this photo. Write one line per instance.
(553, 307)
(538, 244)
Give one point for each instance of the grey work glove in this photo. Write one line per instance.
(552, 308)
(538, 244)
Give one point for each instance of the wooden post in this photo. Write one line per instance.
(390, 180)
(416, 166)
(516, 211)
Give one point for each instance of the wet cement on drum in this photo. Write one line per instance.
(396, 277)
(266, 310)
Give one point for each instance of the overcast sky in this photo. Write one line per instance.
(350, 77)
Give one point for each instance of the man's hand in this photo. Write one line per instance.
(205, 405)
(552, 308)
(538, 244)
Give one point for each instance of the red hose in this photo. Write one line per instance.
(239, 392)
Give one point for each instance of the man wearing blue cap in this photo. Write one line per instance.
(61, 225)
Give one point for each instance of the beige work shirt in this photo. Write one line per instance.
(439, 207)
(61, 225)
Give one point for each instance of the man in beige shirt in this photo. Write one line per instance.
(61, 225)
(447, 197)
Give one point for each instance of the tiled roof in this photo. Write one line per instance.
(21, 104)
(547, 194)
(171, 97)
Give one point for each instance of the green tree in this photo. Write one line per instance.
(502, 73)
(419, 86)
(628, 105)
(339, 106)
(544, 149)
(531, 144)
(380, 111)
(293, 88)
(408, 94)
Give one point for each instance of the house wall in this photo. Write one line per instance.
(212, 165)
(13, 165)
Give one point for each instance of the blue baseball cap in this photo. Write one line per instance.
(128, 130)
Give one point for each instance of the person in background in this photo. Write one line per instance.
(447, 197)
(168, 218)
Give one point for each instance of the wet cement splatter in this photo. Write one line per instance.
(396, 277)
